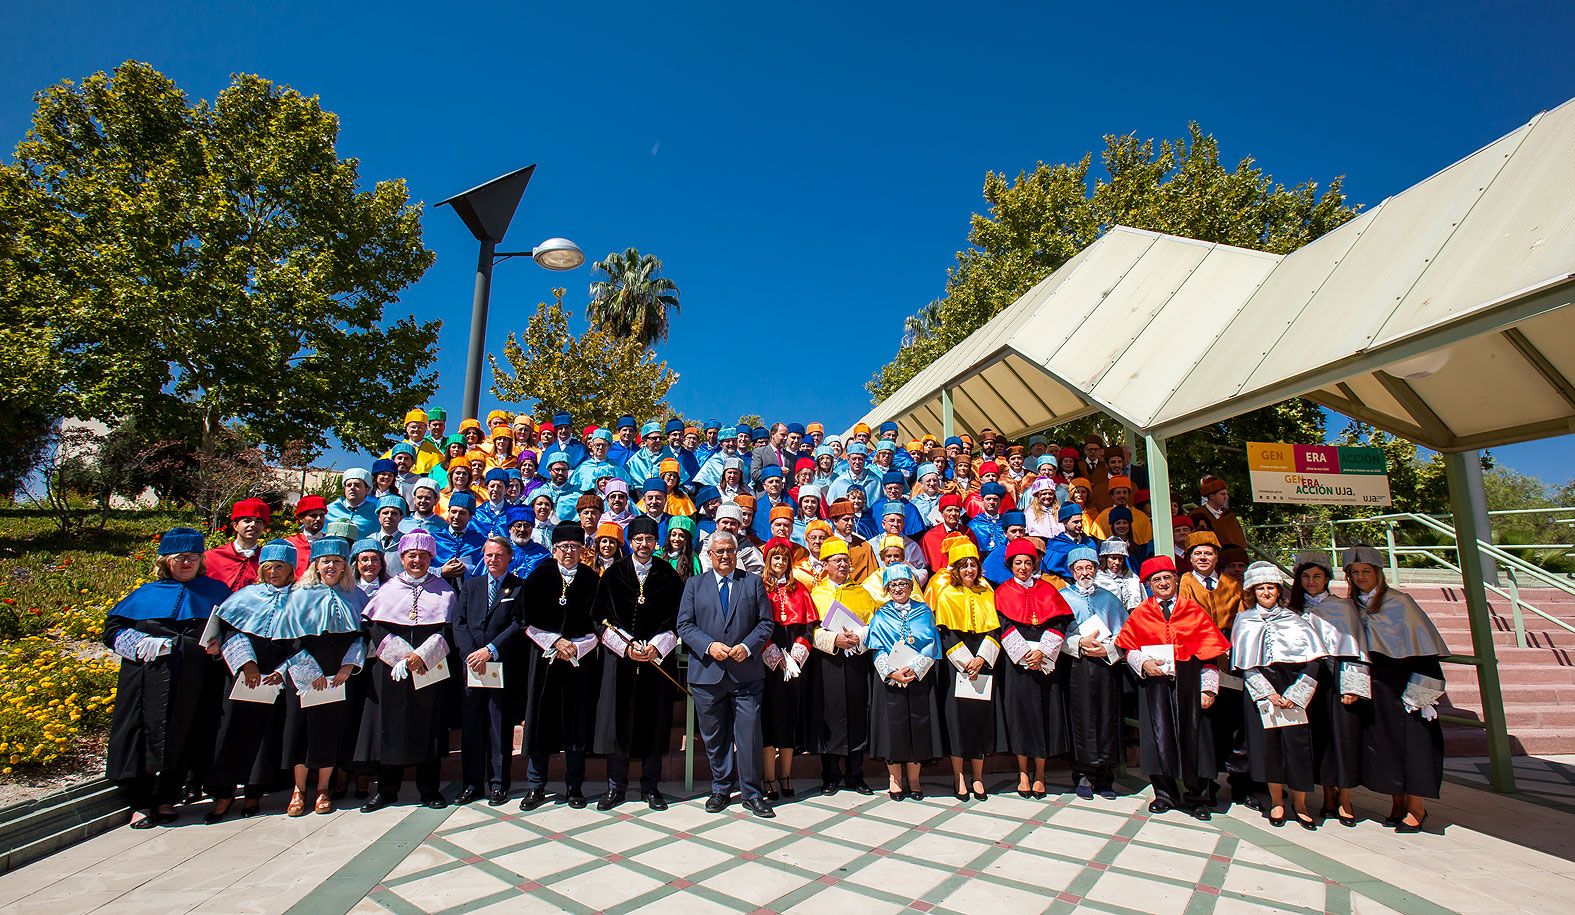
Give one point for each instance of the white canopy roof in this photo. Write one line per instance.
(1441, 314)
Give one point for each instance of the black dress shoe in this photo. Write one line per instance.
(611, 799)
(916, 793)
(1202, 812)
(861, 788)
(788, 791)
(435, 802)
(251, 810)
(1406, 829)
(654, 800)
(148, 821)
(498, 797)
(469, 794)
(534, 797)
(1160, 806)
(896, 795)
(577, 799)
(1249, 801)
(716, 803)
(1308, 824)
(761, 807)
(1276, 821)
(828, 789)
(378, 802)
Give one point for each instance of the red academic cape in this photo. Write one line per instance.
(930, 543)
(1189, 628)
(791, 605)
(229, 567)
(1034, 606)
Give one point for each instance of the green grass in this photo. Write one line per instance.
(47, 581)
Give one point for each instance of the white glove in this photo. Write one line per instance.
(400, 671)
(790, 668)
(152, 647)
(1429, 713)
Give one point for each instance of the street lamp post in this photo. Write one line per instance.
(486, 211)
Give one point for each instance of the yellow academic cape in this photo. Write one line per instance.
(1099, 527)
(966, 609)
(427, 457)
(850, 594)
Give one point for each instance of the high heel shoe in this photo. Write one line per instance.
(787, 788)
(325, 803)
(217, 814)
(297, 807)
(979, 794)
(896, 794)
(771, 789)
(1407, 829)
(1395, 818)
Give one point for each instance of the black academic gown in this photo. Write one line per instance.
(560, 700)
(167, 709)
(1178, 737)
(634, 709)
(321, 736)
(250, 733)
(1281, 755)
(975, 728)
(402, 725)
(1035, 702)
(1401, 753)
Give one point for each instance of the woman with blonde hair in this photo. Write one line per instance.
(331, 650)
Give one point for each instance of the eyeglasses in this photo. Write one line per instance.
(723, 551)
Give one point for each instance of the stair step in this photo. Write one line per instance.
(1467, 695)
(1528, 742)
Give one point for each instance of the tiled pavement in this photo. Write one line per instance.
(843, 853)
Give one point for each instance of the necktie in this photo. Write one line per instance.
(727, 611)
(492, 592)
(1209, 583)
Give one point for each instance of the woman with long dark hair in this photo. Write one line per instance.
(1340, 709)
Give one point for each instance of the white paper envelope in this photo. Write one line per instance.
(1163, 655)
(434, 674)
(491, 676)
(980, 688)
(313, 697)
(1277, 717)
(1094, 628)
(838, 618)
(261, 693)
(901, 656)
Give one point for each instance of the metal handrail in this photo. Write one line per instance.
(1514, 566)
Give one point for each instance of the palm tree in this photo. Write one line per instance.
(633, 300)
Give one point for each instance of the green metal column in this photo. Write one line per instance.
(947, 417)
(1467, 536)
(1160, 509)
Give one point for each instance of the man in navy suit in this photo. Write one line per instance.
(724, 618)
(486, 630)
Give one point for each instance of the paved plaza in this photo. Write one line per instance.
(845, 853)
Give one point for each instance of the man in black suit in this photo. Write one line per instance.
(486, 630)
(724, 619)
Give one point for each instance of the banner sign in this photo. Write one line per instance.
(1317, 474)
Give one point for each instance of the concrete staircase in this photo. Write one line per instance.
(1538, 681)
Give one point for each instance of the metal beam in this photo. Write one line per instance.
(1546, 369)
(1413, 403)
(1159, 507)
(1466, 537)
(948, 415)
(1514, 308)
(1373, 418)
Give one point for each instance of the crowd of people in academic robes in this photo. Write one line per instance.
(857, 600)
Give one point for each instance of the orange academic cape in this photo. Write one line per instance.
(1189, 629)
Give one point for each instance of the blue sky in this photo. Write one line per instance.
(806, 171)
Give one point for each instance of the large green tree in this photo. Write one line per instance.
(634, 298)
(1044, 217)
(548, 365)
(218, 262)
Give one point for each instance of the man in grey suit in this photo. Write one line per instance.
(724, 618)
(772, 454)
